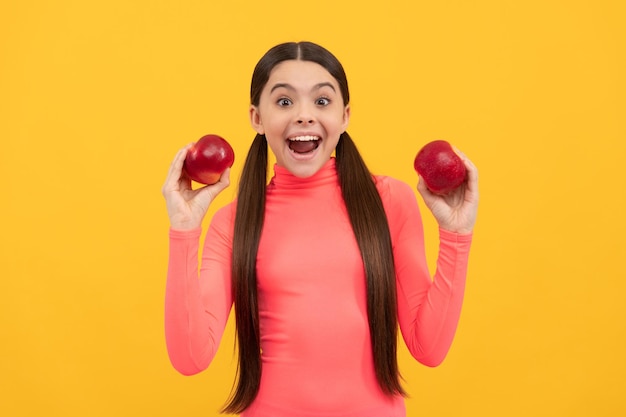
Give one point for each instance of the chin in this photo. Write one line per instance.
(304, 170)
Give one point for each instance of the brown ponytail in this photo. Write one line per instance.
(247, 234)
(369, 223)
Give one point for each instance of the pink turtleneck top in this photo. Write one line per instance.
(315, 340)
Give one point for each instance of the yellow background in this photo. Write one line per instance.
(96, 97)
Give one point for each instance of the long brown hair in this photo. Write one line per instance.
(369, 223)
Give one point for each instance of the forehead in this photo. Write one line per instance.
(301, 74)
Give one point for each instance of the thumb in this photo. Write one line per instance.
(423, 189)
(430, 199)
(214, 189)
(224, 180)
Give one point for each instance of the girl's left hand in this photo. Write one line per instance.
(455, 211)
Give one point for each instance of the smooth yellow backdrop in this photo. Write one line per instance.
(96, 97)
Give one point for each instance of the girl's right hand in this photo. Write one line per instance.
(187, 207)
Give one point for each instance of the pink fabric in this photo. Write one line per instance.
(317, 359)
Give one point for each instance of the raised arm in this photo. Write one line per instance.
(197, 303)
(429, 308)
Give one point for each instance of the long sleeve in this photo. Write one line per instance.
(428, 308)
(197, 303)
(312, 297)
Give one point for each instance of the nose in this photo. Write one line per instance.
(305, 115)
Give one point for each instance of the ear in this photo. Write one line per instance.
(346, 118)
(255, 120)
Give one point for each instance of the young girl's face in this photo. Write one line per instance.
(301, 113)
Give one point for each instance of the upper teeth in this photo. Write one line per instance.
(304, 138)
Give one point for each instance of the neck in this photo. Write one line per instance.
(283, 178)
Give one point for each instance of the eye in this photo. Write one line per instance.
(322, 101)
(283, 102)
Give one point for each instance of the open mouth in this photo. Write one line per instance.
(304, 144)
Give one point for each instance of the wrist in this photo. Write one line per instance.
(461, 231)
(184, 226)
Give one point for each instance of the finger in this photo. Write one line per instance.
(211, 191)
(184, 181)
(176, 168)
(458, 152)
(472, 176)
(179, 160)
(428, 196)
(224, 180)
(421, 186)
(177, 165)
(466, 161)
(472, 171)
(222, 183)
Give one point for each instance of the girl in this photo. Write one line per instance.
(323, 264)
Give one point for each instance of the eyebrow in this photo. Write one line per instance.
(290, 87)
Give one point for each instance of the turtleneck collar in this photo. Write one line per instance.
(282, 178)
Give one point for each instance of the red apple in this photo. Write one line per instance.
(208, 158)
(440, 167)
